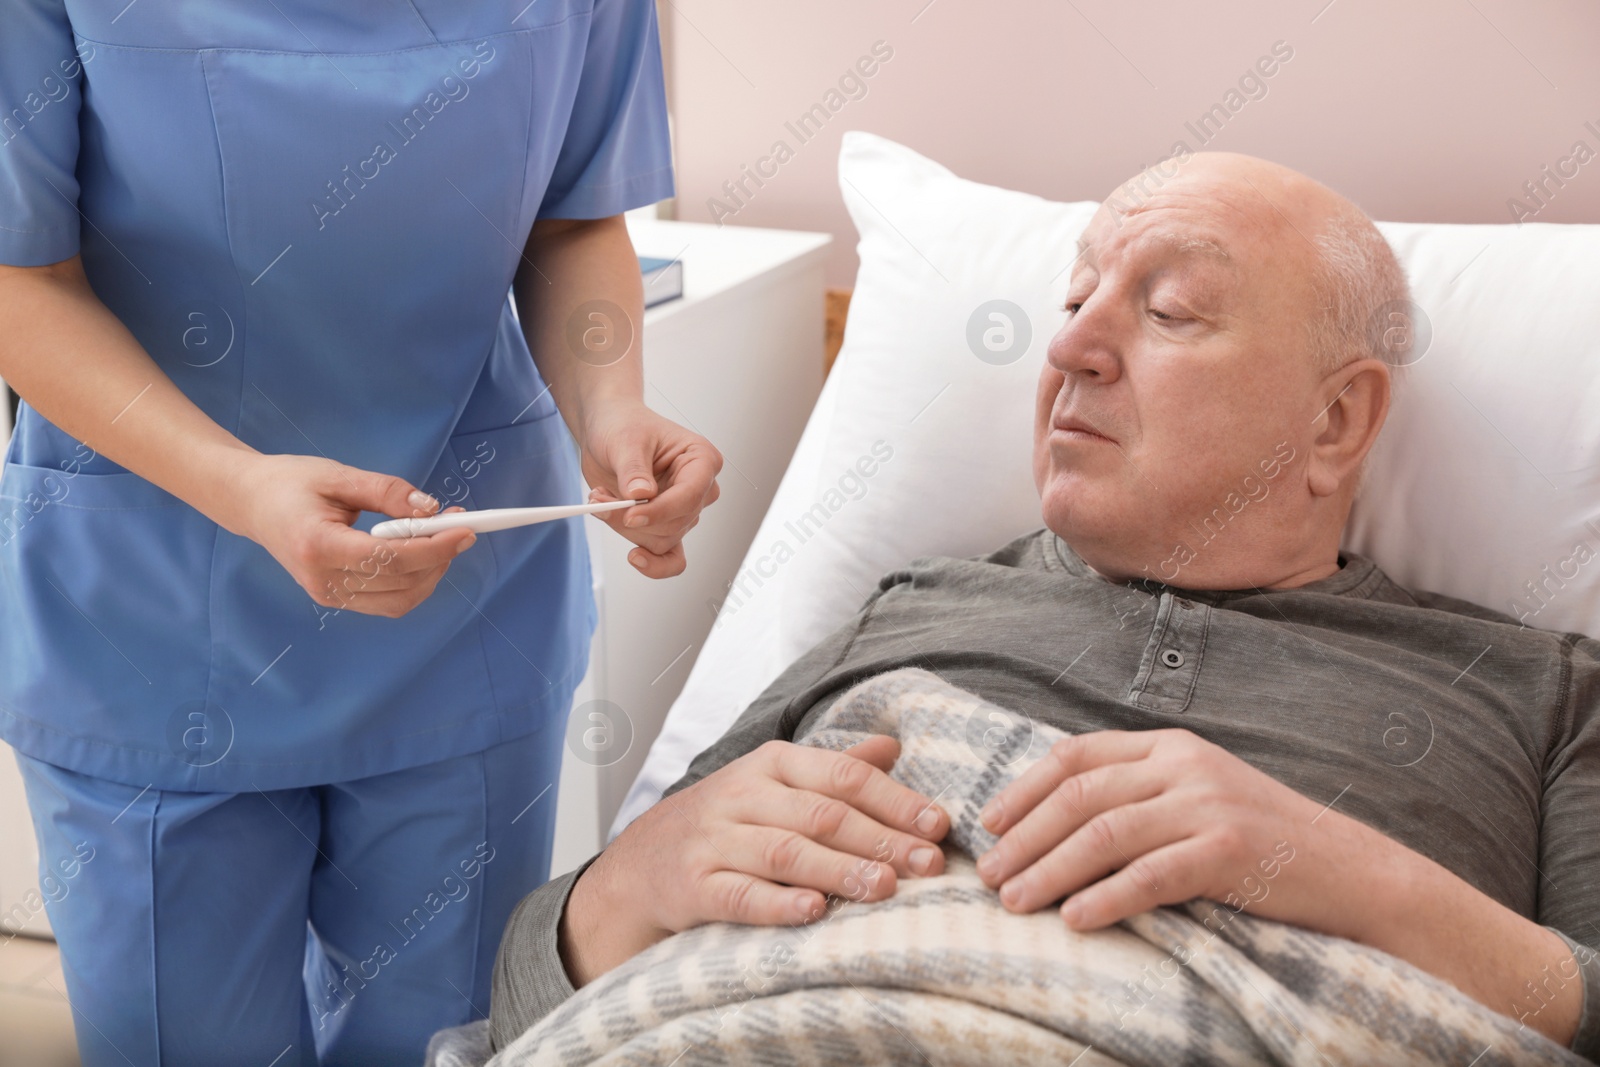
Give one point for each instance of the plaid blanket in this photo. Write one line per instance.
(940, 973)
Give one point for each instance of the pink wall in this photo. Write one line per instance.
(1428, 110)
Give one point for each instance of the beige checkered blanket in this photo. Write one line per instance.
(941, 974)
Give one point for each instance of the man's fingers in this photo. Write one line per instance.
(1064, 811)
(839, 826)
(791, 858)
(863, 786)
(740, 898)
(1067, 757)
(880, 750)
(1113, 840)
(1168, 875)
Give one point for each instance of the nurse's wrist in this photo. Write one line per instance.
(597, 410)
(232, 481)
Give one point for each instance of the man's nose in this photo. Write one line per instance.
(1088, 344)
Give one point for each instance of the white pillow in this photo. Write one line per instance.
(1488, 469)
(936, 252)
(1454, 500)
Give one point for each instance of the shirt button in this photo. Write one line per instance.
(1172, 657)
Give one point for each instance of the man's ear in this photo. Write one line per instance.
(1353, 401)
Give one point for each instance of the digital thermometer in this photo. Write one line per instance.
(491, 519)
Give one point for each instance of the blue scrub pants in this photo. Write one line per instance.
(333, 924)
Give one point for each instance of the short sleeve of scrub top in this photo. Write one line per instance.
(309, 215)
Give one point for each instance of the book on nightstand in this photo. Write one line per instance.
(663, 279)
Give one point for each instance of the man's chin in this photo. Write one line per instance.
(1092, 528)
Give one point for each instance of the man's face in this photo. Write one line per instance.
(1177, 385)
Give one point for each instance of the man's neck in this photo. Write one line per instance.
(1287, 576)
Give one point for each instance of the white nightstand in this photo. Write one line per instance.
(739, 360)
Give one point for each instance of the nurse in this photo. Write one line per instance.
(288, 780)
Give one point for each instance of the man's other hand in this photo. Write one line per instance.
(762, 841)
(1119, 822)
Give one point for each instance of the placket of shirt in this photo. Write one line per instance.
(1171, 662)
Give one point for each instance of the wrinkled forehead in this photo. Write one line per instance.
(1161, 242)
(1214, 232)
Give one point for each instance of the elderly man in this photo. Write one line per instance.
(1231, 678)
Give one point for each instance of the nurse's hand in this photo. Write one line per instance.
(300, 509)
(761, 841)
(630, 452)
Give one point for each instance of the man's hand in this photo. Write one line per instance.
(1120, 822)
(1124, 821)
(630, 452)
(759, 841)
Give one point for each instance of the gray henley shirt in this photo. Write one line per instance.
(1449, 727)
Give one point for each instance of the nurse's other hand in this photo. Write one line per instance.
(762, 840)
(300, 509)
(631, 452)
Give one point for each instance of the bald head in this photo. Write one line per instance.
(1206, 406)
(1349, 275)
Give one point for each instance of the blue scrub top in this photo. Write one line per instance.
(309, 214)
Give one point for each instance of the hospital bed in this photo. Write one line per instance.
(1485, 484)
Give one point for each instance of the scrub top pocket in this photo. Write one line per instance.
(129, 612)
